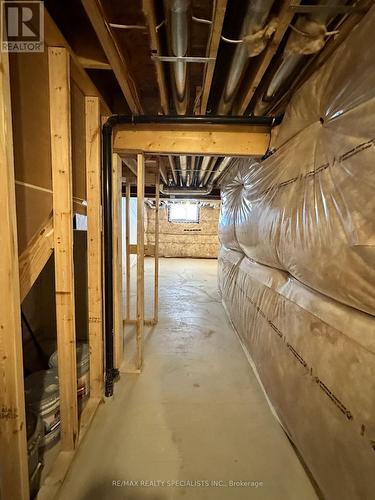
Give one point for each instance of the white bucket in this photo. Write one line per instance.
(42, 396)
(83, 373)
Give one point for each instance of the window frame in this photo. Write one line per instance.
(184, 221)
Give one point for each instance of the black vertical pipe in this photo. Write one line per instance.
(112, 373)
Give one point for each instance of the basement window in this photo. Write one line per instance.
(183, 212)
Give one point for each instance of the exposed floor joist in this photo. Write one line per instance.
(149, 11)
(213, 47)
(113, 53)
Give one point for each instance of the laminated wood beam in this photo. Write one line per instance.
(35, 257)
(117, 259)
(113, 53)
(94, 246)
(212, 50)
(61, 156)
(216, 140)
(14, 478)
(284, 19)
(149, 12)
(54, 38)
(140, 259)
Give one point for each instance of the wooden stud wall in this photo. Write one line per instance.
(19, 272)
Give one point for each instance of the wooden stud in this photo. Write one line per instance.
(35, 256)
(127, 244)
(216, 140)
(285, 18)
(94, 246)
(150, 15)
(61, 156)
(117, 260)
(213, 47)
(14, 478)
(140, 258)
(156, 269)
(94, 11)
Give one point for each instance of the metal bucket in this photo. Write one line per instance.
(34, 433)
(42, 396)
(83, 370)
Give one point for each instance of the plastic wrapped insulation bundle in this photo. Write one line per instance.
(297, 267)
(309, 208)
(316, 360)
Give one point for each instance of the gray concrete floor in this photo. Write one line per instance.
(196, 413)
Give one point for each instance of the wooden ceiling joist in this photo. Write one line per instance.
(284, 19)
(149, 12)
(216, 140)
(212, 50)
(113, 53)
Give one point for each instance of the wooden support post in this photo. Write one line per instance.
(14, 479)
(127, 244)
(140, 258)
(118, 326)
(156, 272)
(94, 246)
(61, 156)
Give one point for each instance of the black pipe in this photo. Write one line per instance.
(112, 373)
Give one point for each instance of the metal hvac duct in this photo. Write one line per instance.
(254, 21)
(170, 191)
(178, 14)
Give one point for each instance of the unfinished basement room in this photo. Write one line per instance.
(187, 250)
